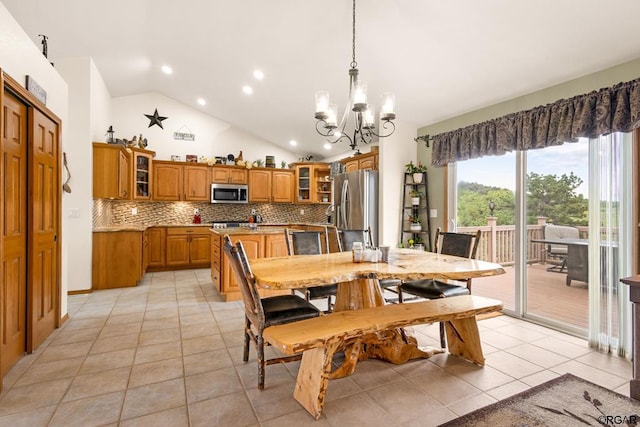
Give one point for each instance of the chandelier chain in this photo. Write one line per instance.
(354, 64)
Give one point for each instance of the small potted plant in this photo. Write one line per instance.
(415, 224)
(416, 171)
(415, 197)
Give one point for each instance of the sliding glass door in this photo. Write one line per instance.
(556, 206)
(525, 203)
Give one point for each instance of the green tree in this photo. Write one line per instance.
(555, 197)
(473, 204)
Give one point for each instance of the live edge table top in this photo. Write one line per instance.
(407, 264)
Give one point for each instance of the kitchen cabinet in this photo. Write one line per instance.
(361, 161)
(312, 182)
(188, 247)
(304, 183)
(117, 259)
(228, 175)
(271, 185)
(157, 246)
(176, 181)
(269, 244)
(322, 184)
(142, 174)
(111, 171)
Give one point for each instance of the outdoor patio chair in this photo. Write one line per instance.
(559, 252)
(260, 313)
(456, 244)
(309, 243)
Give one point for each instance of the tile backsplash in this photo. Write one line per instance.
(117, 212)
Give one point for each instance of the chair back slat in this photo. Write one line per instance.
(303, 242)
(350, 236)
(240, 265)
(457, 244)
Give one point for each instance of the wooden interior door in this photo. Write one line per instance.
(13, 174)
(44, 187)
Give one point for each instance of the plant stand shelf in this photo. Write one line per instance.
(420, 212)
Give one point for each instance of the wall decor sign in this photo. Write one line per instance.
(155, 119)
(36, 90)
(184, 134)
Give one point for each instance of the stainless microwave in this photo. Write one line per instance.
(229, 193)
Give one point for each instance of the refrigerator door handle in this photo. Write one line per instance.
(345, 203)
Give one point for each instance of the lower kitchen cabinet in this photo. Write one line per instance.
(188, 247)
(157, 246)
(117, 259)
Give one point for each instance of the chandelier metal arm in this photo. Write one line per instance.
(386, 124)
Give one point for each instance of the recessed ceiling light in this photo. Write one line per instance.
(327, 146)
(258, 74)
(293, 143)
(248, 90)
(201, 101)
(167, 70)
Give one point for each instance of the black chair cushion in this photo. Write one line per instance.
(287, 308)
(432, 289)
(316, 292)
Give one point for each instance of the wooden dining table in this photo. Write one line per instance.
(358, 288)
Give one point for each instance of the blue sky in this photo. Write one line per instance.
(499, 171)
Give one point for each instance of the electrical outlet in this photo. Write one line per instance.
(301, 211)
(253, 211)
(134, 211)
(433, 213)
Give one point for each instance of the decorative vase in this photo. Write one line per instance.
(415, 201)
(417, 177)
(415, 227)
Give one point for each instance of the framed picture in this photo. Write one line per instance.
(192, 158)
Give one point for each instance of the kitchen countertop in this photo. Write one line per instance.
(140, 227)
(235, 231)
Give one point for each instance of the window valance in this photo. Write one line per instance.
(608, 110)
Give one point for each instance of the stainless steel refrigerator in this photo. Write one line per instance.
(356, 201)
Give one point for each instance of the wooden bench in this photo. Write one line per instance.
(319, 338)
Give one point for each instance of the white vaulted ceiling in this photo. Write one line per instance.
(440, 58)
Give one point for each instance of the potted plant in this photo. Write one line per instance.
(416, 171)
(415, 197)
(415, 224)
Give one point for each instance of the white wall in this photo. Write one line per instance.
(395, 151)
(89, 110)
(19, 57)
(213, 137)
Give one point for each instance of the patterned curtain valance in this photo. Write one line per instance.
(608, 110)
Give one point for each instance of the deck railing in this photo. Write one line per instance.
(497, 242)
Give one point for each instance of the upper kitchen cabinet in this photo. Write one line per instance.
(228, 174)
(322, 184)
(271, 185)
(312, 182)
(304, 182)
(177, 181)
(142, 176)
(361, 161)
(111, 171)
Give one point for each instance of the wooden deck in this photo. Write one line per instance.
(547, 294)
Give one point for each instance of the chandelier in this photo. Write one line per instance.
(364, 114)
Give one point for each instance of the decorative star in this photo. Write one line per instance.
(156, 119)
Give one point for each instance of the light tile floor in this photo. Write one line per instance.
(169, 353)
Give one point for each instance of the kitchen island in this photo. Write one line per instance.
(265, 241)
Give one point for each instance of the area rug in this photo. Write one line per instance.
(564, 401)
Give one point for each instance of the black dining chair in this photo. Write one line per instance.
(364, 236)
(260, 313)
(310, 243)
(446, 243)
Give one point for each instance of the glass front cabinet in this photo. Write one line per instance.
(142, 174)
